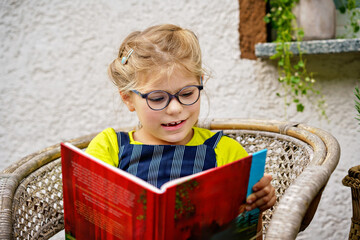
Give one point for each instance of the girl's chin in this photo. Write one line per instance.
(178, 138)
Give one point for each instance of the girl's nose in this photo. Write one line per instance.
(174, 107)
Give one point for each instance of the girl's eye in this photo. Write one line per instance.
(156, 98)
(187, 93)
(159, 99)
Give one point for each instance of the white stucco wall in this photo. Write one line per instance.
(54, 85)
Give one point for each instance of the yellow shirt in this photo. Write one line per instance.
(105, 146)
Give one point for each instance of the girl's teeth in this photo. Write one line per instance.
(173, 124)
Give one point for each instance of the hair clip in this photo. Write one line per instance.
(125, 59)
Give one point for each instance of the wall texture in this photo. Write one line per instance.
(54, 85)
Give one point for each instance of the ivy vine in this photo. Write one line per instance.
(350, 6)
(296, 81)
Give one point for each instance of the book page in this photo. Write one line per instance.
(207, 206)
(100, 203)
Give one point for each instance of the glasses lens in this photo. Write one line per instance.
(189, 95)
(157, 100)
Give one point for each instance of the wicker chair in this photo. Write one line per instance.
(353, 180)
(300, 159)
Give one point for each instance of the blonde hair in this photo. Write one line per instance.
(155, 50)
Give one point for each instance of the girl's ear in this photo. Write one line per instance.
(127, 100)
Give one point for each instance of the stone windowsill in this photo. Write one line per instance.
(264, 50)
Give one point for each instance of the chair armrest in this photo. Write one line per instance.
(304, 193)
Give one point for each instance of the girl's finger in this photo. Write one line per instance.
(264, 198)
(269, 204)
(264, 181)
(259, 194)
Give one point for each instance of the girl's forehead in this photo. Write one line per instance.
(161, 79)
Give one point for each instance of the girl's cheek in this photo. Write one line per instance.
(152, 116)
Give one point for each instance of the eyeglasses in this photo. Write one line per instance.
(158, 100)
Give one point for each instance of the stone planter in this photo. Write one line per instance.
(317, 18)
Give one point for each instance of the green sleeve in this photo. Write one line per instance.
(228, 150)
(105, 147)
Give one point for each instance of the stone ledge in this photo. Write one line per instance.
(264, 50)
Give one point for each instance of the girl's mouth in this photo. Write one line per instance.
(173, 125)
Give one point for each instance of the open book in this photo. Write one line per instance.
(104, 202)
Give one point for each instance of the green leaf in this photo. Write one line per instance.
(357, 102)
(357, 93)
(267, 19)
(281, 62)
(301, 64)
(300, 107)
(358, 120)
(295, 79)
(342, 9)
(276, 55)
(279, 47)
(351, 4)
(301, 33)
(356, 29)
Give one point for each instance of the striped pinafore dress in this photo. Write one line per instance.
(158, 164)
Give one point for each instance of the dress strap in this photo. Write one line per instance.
(214, 140)
(122, 138)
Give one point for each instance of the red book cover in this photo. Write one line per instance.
(104, 202)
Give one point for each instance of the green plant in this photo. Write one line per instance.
(296, 81)
(357, 103)
(354, 14)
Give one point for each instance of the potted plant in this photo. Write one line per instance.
(353, 180)
(348, 18)
(357, 103)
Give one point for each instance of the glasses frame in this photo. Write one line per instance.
(171, 96)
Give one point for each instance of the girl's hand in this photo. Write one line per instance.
(263, 196)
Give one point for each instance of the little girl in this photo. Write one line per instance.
(159, 75)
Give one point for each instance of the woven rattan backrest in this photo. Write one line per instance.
(38, 206)
(287, 157)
